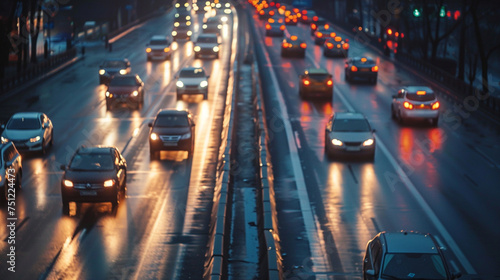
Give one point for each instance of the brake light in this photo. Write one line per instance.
(303, 45)
(329, 45)
(282, 27)
(421, 92)
(354, 68)
(375, 68)
(261, 12)
(329, 82)
(315, 18)
(268, 26)
(319, 34)
(304, 17)
(307, 82)
(271, 13)
(346, 46)
(286, 45)
(435, 106)
(333, 34)
(408, 105)
(313, 26)
(304, 12)
(338, 39)
(327, 26)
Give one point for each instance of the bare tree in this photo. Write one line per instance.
(35, 9)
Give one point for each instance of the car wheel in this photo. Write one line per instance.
(371, 157)
(435, 122)
(65, 206)
(400, 118)
(374, 81)
(101, 81)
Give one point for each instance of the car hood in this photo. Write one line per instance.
(351, 136)
(93, 177)
(171, 130)
(192, 81)
(122, 89)
(21, 134)
(206, 45)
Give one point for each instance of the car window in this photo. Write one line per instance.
(350, 125)
(114, 64)
(92, 162)
(158, 42)
(192, 73)
(207, 39)
(417, 97)
(171, 121)
(414, 266)
(24, 123)
(123, 81)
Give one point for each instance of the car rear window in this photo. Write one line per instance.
(423, 97)
(171, 121)
(91, 162)
(24, 124)
(350, 125)
(192, 73)
(123, 81)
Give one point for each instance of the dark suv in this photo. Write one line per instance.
(11, 169)
(171, 130)
(94, 174)
(405, 255)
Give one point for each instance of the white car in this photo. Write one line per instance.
(206, 44)
(159, 47)
(415, 102)
(192, 80)
(29, 131)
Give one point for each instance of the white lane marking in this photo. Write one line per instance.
(297, 139)
(318, 255)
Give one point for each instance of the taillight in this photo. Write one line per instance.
(282, 27)
(319, 34)
(375, 68)
(329, 82)
(268, 26)
(315, 18)
(435, 106)
(285, 45)
(329, 45)
(346, 46)
(408, 105)
(271, 13)
(307, 82)
(261, 12)
(303, 45)
(354, 68)
(304, 17)
(313, 26)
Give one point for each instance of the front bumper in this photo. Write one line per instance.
(90, 195)
(351, 150)
(123, 99)
(27, 146)
(158, 55)
(179, 145)
(192, 90)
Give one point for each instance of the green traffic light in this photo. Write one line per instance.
(442, 12)
(416, 13)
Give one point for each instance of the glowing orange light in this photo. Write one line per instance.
(346, 46)
(329, 82)
(363, 59)
(354, 68)
(307, 82)
(421, 92)
(375, 68)
(319, 34)
(408, 105)
(271, 13)
(327, 26)
(389, 31)
(315, 18)
(303, 45)
(282, 27)
(329, 45)
(338, 39)
(268, 26)
(396, 34)
(271, 20)
(313, 26)
(333, 34)
(293, 38)
(435, 106)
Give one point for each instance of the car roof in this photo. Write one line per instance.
(409, 242)
(26, 115)
(414, 89)
(349, 115)
(97, 149)
(159, 37)
(316, 71)
(173, 111)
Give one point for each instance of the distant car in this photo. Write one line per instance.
(364, 68)
(291, 19)
(126, 89)
(336, 46)
(349, 134)
(171, 130)
(183, 14)
(111, 67)
(192, 80)
(415, 102)
(293, 45)
(30, 132)
(206, 45)
(322, 34)
(307, 16)
(182, 31)
(182, 5)
(405, 255)
(199, 7)
(212, 25)
(11, 168)
(316, 82)
(159, 47)
(94, 174)
(318, 21)
(267, 13)
(275, 27)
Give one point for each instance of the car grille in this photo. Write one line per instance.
(170, 138)
(88, 186)
(351, 144)
(191, 86)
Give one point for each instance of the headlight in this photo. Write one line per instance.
(204, 26)
(179, 84)
(188, 17)
(108, 94)
(176, 24)
(174, 33)
(135, 93)
(176, 15)
(224, 19)
(186, 136)
(177, 5)
(189, 33)
(109, 183)
(188, 23)
(123, 71)
(148, 50)
(337, 142)
(102, 72)
(68, 183)
(219, 26)
(216, 49)
(35, 139)
(153, 136)
(197, 48)
(4, 139)
(228, 5)
(203, 84)
(368, 142)
(227, 11)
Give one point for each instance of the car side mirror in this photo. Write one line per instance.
(370, 272)
(62, 167)
(150, 124)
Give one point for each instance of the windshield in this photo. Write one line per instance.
(424, 97)
(123, 81)
(206, 39)
(114, 64)
(350, 125)
(24, 124)
(414, 266)
(158, 42)
(192, 73)
(91, 162)
(171, 121)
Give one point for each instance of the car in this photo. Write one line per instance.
(275, 27)
(159, 47)
(199, 6)
(291, 19)
(266, 13)
(30, 132)
(307, 16)
(349, 134)
(334, 47)
(212, 25)
(182, 16)
(94, 174)
(11, 169)
(127, 90)
(293, 45)
(316, 22)
(192, 80)
(316, 82)
(172, 130)
(405, 255)
(322, 34)
(364, 68)
(182, 4)
(111, 67)
(182, 31)
(206, 45)
(415, 102)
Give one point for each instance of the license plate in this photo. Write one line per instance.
(169, 143)
(88, 193)
(353, 149)
(364, 69)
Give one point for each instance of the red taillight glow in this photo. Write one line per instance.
(268, 26)
(271, 13)
(304, 17)
(315, 18)
(375, 68)
(329, 45)
(435, 106)
(282, 27)
(329, 82)
(307, 82)
(313, 26)
(408, 105)
(346, 46)
(262, 12)
(303, 45)
(354, 68)
(319, 34)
